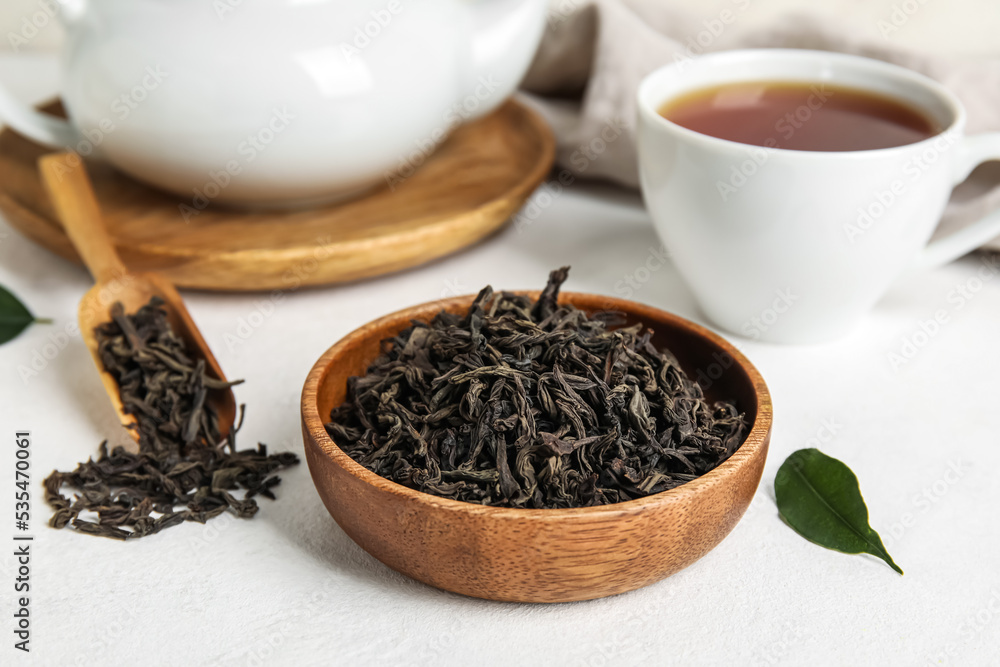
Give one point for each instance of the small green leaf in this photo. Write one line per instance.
(14, 316)
(819, 497)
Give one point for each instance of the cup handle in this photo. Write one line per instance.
(972, 152)
(41, 127)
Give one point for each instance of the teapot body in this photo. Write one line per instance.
(277, 102)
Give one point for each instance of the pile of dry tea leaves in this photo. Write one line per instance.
(182, 459)
(534, 405)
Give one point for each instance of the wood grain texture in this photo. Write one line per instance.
(66, 182)
(465, 191)
(554, 555)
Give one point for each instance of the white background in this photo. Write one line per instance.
(953, 27)
(290, 588)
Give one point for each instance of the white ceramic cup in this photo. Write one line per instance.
(795, 246)
(278, 103)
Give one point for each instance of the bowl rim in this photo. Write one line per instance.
(757, 437)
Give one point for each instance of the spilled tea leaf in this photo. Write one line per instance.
(186, 470)
(14, 316)
(819, 497)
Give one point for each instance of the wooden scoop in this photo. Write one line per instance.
(69, 187)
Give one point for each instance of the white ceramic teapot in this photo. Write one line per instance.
(278, 103)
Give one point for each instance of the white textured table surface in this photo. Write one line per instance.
(290, 588)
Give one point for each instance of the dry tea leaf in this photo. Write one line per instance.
(819, 497)
(183, 460)
(533, 404)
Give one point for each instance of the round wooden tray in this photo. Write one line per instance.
(467, 189)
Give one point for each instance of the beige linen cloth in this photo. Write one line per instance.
(595, 53)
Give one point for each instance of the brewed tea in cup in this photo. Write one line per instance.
(793, 187)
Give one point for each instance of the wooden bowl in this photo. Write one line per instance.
(538, 555)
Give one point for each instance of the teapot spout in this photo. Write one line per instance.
(505, 36)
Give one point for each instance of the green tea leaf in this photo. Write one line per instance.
(819, 497)
(14, 316)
